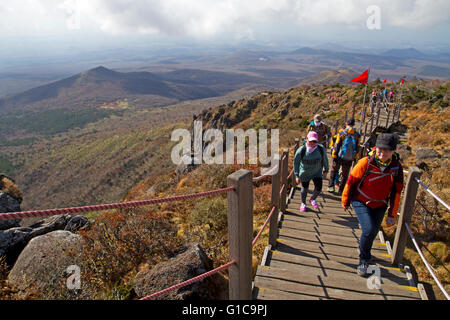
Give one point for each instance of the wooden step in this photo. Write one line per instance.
(316, 220)
(327, 251)
(332, 284)
(320, 238)
(282, 260)
(321, 228)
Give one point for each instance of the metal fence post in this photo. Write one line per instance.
(240, 232)
(406, 213)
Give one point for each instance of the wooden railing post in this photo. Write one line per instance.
(398, 111)
(394, 111)
(284, 175)
(275, 202)
(407, 210)
(297, 145)
(240, 232)
(378, 114)
(387, 117)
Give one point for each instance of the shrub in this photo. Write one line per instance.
(119, 242)
(208, 224)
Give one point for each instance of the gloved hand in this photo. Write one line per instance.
(390, 221)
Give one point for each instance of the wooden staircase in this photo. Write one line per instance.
(316, 257)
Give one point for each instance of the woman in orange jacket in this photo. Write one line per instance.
(374, 183)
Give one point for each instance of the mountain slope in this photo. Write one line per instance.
(99, 85)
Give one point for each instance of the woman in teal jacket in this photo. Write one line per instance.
(310, 163)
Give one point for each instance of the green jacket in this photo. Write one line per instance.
(310, 165)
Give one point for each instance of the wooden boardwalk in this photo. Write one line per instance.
(317, 255)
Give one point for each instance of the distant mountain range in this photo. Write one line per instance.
(181, 78)
(100, 85)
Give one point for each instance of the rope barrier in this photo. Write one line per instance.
(290, 174)
(51, 212)
(283, 189)
(426, 263)
(262, 228)
(190, 281)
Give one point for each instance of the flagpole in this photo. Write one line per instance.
(363, 113)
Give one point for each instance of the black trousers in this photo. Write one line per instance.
(346, 165)
(317, 189)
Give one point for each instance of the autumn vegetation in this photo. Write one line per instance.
(123, 242)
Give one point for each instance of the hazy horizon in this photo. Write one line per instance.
(52, 27)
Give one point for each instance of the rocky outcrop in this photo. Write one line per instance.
(48, 267)
(191, 263)
(14, 240)
(186, 165)
(426, 154)
(8, 204)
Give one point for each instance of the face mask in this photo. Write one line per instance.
(311, 149)
(317, 123)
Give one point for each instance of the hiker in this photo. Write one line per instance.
(391, 96)
(310, 163)
(375, 181)
(373, 102)
(322, 130)
(385, 94)
(332, 142)
(344, 153)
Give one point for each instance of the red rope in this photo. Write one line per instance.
(51, 212)
(188, 282)
(262, 228)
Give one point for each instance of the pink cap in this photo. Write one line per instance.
(312, 136)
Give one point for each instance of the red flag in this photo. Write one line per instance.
(362, 78)
(391, 81)
(384, 81)
(403, 81)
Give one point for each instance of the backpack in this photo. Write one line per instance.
(347, 150)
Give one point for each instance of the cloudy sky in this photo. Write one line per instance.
(402, 22)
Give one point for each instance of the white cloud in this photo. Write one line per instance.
(208, 18)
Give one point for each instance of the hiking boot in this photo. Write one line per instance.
(330, 189)
(314, 204)
(362, 269)
(303, 207)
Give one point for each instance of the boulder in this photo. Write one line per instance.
(426, 154)
(78, 223)
(14, 240)
(8, 204)
(189, 264)
(47, 265)
(404, 151)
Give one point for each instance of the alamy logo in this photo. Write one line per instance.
(374, 20)
(209, 147)
(73, 282)
(374, 281)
